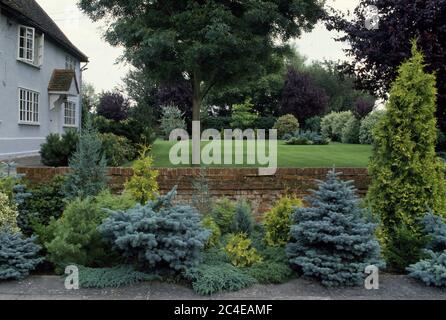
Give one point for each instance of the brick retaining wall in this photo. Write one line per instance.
(234, 183)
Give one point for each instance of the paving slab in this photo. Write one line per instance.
(392, 287)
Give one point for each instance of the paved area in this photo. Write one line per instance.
(52, 288)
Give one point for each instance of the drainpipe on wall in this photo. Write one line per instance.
(81, 102)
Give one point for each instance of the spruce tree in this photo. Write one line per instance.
(88, 166)
(407, 176)
(331, 240)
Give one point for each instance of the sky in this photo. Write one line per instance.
(105, 73)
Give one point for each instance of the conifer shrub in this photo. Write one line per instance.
(8, 214)
(243, 115)
(211, 279)
(88, 166)
(277, 221)
(214, 239)
(158, 236)
(270, 272)
(171, 119)
(243, 221)
(432, 268)
(120, 276)
(143, 186)
(407, 175)
(75, 238)
(368, 125)
(223, 213)
(57, 149)
(18, 255)
(241, 252)
(331, 241)
(287, 124)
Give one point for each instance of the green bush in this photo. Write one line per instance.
(304, 138)
(269, 272)
(117, 149)
(334, 123)
(45, 201)
(115, 277)
(313, 124)
(243, 221)
(243, 116)
(157, 236)
(57, 150)
(8, 214)
(287, 124)
(407, 175)
(240, 251)
(368, 125)
(223, 213)
(88, 166)
(265, 122)
(209, 224)
(18, 255)
(172, 118)
(277, 221)
(75, 237)
(212, 279)
(350, 133)
(143, 185)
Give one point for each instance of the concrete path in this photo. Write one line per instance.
(52, 288)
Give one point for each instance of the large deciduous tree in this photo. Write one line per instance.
(377, 53)
(209, 43)
(301, 97)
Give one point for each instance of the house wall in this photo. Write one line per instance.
(17, 139)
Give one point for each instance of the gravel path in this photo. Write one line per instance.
(52, 288)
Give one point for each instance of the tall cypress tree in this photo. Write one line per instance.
(407, 175)
(332, 241)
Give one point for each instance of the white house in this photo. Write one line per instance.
(40, 78)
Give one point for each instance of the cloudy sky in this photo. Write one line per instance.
(105, 73)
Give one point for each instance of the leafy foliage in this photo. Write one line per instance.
(171, 119)
(223, 213)
(368, 125)
(333, 124)
(212, 279)
(209, 224)
(243, 221)
(240, 251)
(243, 116)
(305, 138)
(301, 97)
(376, 57)
(117, 150)
(113, 106)
(18, 255)
(8, 214)
(143, 185)
(286, 124)
(157, 236)
(268, 272)
(350, 133)
(57, 150)
(88, 166)
(407, 176)
(331, 240)
(214, 43)
(277, 221)
(115, 277)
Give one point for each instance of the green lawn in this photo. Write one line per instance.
(340, 155)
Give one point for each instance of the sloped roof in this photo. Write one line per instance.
(30, 12)
(61, 80)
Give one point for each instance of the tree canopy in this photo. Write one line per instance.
(209, 43)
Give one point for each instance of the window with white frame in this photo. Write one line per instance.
(70, 113)
(31, 46)
(70, 63)
(28, 106)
